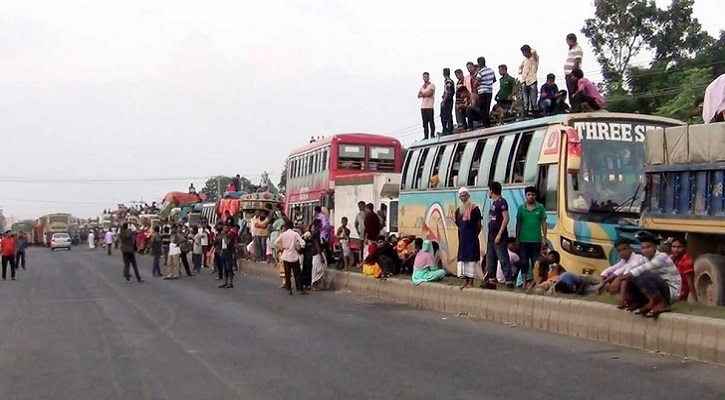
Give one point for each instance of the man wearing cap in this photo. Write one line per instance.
(468, 220)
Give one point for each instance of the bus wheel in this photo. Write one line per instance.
(710, 279)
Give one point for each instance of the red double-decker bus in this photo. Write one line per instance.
(313, 168)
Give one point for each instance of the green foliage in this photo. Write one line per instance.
(684, 57)
(216, 185)
(283, 180)
(619, 30)
(690, 93)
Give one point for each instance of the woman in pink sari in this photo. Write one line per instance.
(424, 266)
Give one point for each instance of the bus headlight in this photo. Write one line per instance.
(582, 249)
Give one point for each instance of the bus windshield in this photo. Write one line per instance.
(58, 219)
(609, 180)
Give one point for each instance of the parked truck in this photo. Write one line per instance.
(685, 176)
(380, 189)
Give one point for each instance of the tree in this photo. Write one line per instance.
(690, 94)
(283, 180)
(618, 32)
(678, 35)
(216, 185)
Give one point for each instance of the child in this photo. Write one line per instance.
(554, 271)
(343, 235)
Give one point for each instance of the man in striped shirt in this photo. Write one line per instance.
(573, 61)
(653, 285)
(485, 78)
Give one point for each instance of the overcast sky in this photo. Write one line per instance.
(113, 93)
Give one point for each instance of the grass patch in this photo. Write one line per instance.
(679, 307)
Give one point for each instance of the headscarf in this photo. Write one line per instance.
(714, 99)
(425, 257)
(465, 207)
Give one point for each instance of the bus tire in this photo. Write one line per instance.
(710, 279)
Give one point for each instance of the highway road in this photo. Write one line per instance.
(73, 328)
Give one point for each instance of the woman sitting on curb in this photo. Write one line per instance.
(424, 268)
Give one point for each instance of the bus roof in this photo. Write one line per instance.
(534, 123)
(354, 137)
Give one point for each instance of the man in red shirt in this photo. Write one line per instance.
(686, 267)
(8, 254)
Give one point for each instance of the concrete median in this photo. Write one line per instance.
(694, 337)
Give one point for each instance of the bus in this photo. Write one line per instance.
(587, 211)
(313, 168)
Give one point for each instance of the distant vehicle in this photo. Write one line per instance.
(60, 240)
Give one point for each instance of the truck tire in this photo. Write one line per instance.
(710, 279)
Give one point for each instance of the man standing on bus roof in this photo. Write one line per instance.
(573, 61)
(447, 103)
(485, 78)
(508, 88)
(531, 233)
(529, 82)
(497, 240)
(426, 94)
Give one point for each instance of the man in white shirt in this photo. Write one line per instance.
(204, 238)
(573, 61)
(627, 259)
(108, 240)
(652, 286)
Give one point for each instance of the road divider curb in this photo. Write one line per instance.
(694, 337)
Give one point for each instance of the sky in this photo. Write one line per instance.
(111, 102)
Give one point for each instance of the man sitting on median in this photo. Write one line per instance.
(651, 286)
(627, 259)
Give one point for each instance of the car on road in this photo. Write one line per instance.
(60, 240)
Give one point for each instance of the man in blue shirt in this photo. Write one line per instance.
(498, 236)
(21, 244)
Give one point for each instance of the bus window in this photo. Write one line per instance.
(494, 157)
(547, 185)
(519, 160)
(381, 158)
(419, 169)
(393, 216)
(409, 169)
(428, 167)
(503, 159)
(443, 169)
(532, 158)
(486, 157)
(351, 156)
(324, 159)
(434, 177)
(455, 165)
(476, 163)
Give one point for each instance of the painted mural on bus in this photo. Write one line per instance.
(586, 168)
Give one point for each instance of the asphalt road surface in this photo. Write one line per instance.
(72, 328)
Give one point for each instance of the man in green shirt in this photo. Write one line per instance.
(508, 88)
(530, 232)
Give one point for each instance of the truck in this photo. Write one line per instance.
(684, 179)
(47, 225)
(380, 189)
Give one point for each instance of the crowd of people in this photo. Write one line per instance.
(470, 97)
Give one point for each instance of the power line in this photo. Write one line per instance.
(96, 181)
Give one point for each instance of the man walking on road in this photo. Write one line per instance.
(108, 241)
(127, 240)
(8, 254)
(21, 244)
